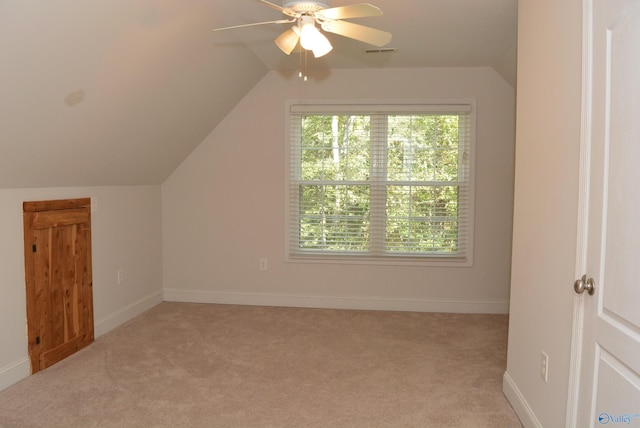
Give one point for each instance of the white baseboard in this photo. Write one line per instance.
(519, 403)
(132, 310)
(14, 373)
(373, 303)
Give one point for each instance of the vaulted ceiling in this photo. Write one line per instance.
(119, 92)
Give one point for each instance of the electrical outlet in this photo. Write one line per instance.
(120, 276)
(262, 264)
(544, 366)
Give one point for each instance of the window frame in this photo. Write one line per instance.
(293, 108)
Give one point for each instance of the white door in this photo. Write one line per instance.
(609, 385)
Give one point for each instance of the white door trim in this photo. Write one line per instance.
(583, 214)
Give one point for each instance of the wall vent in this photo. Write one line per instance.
(380, 50)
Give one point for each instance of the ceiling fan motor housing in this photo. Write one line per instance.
(305, 5)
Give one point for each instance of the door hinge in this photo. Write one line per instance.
(37, 340)
(34, 248)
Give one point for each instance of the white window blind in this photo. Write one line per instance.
(381, 181)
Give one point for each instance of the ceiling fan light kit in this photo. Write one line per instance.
(311, 38)
(322, 46)
(288, 40)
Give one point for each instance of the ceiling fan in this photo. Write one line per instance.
(305, 14)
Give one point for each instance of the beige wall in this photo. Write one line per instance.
(223, 208)
(546, 206)
(126, 234)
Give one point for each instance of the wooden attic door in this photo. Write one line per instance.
(57, 249)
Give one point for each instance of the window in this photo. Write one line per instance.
(381, 182)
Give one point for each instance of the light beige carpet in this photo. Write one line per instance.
(197, 365)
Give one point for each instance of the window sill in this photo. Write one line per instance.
(417, 261)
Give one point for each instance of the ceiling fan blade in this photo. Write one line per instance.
(279, 21)
(280, 8)
(287, 41)
(358, 32)
(359, 10)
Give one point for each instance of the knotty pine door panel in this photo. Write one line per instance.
(58, 279)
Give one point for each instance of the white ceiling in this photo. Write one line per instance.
(117, 92)
(426, 33)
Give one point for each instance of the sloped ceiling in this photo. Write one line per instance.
(119, 92)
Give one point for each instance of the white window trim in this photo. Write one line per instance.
(364, 106)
